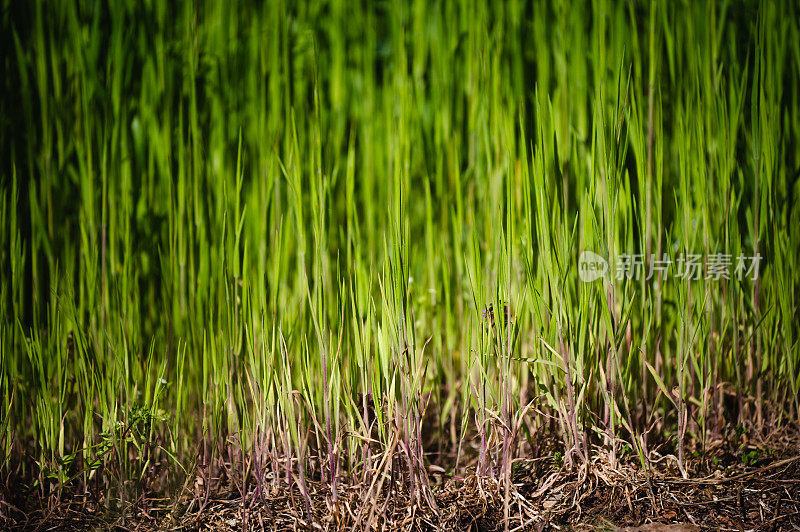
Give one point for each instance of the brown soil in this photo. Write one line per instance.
(729, 488)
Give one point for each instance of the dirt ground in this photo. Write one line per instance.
(741, 486)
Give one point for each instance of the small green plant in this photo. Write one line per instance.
(558, 459)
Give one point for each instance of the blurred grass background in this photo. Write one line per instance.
(274, 231)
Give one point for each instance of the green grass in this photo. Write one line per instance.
(227, 229)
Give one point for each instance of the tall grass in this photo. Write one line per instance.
(299, 239)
